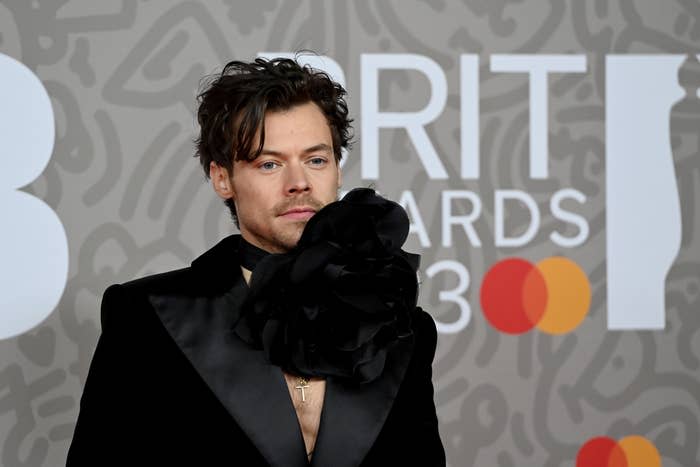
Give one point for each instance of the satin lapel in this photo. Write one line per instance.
(353, 415)
(253, 391)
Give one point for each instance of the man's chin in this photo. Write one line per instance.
(288, 239)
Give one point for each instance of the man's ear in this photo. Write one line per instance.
(340, 176)
(221, 181)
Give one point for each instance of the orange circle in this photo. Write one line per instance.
(640, 452)
(568, 295)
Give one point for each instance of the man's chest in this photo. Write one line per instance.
(307, 397)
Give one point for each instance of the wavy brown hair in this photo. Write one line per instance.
(232, 107)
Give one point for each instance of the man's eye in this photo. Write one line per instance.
(318, 161)
(269, 165)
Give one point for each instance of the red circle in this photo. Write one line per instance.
(513, 295)
(597, 452)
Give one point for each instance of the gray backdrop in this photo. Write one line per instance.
(122, 77)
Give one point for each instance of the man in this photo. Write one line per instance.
(227, 362)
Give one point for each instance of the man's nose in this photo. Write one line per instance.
(297, 179)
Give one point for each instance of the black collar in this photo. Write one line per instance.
(250, 255)
(217, 269)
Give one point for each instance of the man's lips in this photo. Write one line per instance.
(299, 213)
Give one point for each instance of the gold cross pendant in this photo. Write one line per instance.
(302, 383)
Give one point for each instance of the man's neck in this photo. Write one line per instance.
(246, 275)
(250, 253)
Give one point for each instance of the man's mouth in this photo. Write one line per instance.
(299, 213)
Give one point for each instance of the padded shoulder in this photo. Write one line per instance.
(131, 298)
(174, 281)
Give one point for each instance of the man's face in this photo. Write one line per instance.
(295, 175)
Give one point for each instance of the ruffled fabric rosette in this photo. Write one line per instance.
(334, 305)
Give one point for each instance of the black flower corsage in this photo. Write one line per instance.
(336, 303)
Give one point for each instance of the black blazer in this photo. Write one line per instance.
(171, 384)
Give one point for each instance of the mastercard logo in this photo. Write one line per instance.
(631, 451)
(553, 295)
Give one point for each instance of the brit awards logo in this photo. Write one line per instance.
(643, 211)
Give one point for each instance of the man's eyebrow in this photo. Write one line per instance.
(317, 147)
